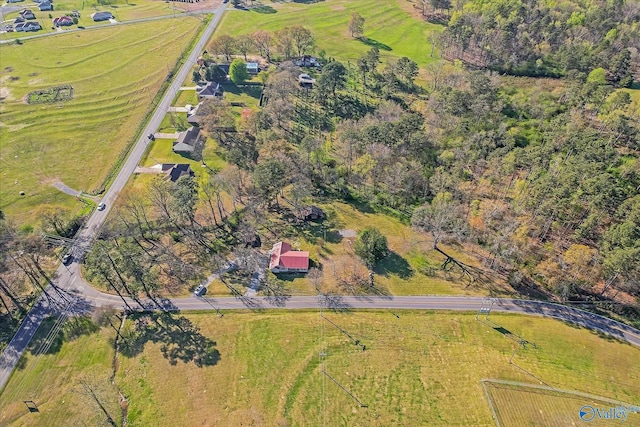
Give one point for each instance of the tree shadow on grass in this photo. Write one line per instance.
(375, 43)
(252, 90)
(267, 10)
(52, 335)
(394, 264)
(180, 339)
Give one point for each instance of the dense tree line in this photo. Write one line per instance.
(547, 39)
(286, 43)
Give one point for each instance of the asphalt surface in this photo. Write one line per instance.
(67, 279)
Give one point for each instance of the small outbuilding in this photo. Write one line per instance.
(253, 67)
(312, 213)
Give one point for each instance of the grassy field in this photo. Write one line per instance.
(122, 11)
(329, 21)
(115, 73)
(419, 369)
(522, 405)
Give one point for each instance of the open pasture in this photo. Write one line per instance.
(115, 73)
(418, 368)
(329, 22)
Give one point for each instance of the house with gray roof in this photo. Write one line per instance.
(27, 14)
(101, 16)
(45, 5)
(187, 140)
(210, 90)
(175, 171)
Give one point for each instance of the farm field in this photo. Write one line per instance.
(419, 368)
(115, 73)
(122, 12)
(329, 22)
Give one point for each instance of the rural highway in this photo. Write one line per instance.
(68, 284)
(68, 279)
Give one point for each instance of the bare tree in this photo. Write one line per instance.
(223, 45)
(263, 41)
(302, 39)
(244, 44)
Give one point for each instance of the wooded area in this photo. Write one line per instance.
(540, 176)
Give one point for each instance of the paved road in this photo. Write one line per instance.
(59, 31)
(68, 279)
(66, 189)
(69, 282)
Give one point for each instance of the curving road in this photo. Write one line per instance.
(69, 284)
(68, 279)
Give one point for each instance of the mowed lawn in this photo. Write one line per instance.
(115, 73)
(387, 25)
(418, 369)
(411, 268)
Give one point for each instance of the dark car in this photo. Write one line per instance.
(67, 259)
(151, 137)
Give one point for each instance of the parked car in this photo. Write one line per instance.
(101, 206)
(200, 290)
(151, 137)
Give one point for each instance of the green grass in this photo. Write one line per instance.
(404, 272)
(329, 21)
(186, 97)
(122, 11)
(520, 405)
(161, 152)
(421, 369)
(115, 73)
(52, 380)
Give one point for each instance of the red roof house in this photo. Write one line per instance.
(283, 259)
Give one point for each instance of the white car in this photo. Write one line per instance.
(101, 206)
(200, 290)
(305, 79)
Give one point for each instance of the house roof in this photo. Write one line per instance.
(187, 140)
(62, 19)
(312, 212)
(210, 89)
(192, 115)
(283, 257)
(190, 136)
(179, 170)
(101, 16)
